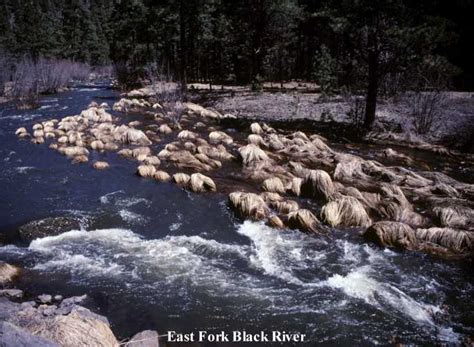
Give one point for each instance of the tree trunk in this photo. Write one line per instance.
(373, 81)
(182, 48)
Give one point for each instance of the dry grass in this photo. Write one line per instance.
(455, 217)
(7, 272)
(162, 176)
(456, 240)
(304, 220)
(318, 184)
(392, 234)
(248, 205)
(345, 211)
(200, 183)
(146, 170)
(181, 179)
(252, 154)
(274, 185)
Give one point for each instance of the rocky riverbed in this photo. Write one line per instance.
(53, 320)
(199, 165)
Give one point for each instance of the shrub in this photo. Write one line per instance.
(25, 79)
(425, 109)
(356, 111)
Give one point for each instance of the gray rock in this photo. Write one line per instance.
(86, 313)
(8, 308)
(12, 293)
(14, 336)
(64, 310)
(73, 300)
(146, 338)
(50, 310)
(51, 226)
(58, 298)
(45, 298)
(28, 304)
(79, 327)
(7, 272)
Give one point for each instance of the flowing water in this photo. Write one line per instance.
(152, 256)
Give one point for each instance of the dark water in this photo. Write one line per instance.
(157, 257)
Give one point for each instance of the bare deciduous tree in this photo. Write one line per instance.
(425, 109)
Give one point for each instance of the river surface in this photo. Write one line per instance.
(152, 256)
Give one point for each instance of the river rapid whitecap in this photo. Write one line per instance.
(152, 256)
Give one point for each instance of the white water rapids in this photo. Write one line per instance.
(286, 269)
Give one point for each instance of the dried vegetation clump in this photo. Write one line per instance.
(286, 179)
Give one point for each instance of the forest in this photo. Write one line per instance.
(363, 47)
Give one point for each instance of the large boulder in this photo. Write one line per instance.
(50, 226)
(80, 327)
(12, 335)
(147, 338)
(51, 325)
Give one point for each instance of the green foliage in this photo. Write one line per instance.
(325, 72)
(75, 29)
(218, 41)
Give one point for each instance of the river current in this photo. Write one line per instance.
(152, 256)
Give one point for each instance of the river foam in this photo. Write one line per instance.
(281, 272)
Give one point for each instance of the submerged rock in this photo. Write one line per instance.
(51, 226)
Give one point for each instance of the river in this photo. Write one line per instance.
(153, 256)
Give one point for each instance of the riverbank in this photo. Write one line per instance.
(51, 320)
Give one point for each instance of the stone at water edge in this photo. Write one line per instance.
(45, 298)
(12, 293)
(12, 335)
(51, 226)
(146, 338)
